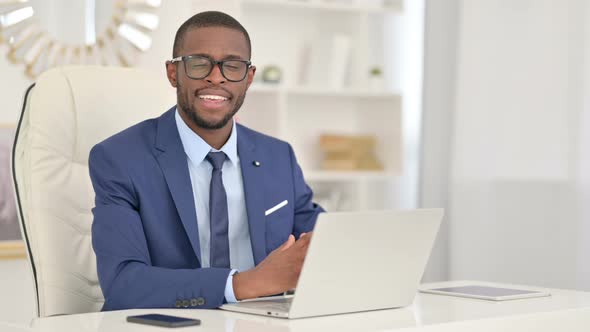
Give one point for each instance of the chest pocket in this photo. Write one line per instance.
(279, 225)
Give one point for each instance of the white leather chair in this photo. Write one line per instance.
(64, 114)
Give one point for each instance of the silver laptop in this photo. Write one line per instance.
(357, 261)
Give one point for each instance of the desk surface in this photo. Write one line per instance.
(563, 310)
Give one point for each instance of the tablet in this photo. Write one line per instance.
(487, 292)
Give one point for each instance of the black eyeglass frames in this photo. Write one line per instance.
(198, 67)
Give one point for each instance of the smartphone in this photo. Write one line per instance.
(163, 320)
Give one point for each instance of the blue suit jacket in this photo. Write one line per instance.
(145, 232)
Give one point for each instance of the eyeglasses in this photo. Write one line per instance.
(198, 67)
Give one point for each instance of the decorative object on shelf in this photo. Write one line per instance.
(303, 63)
(349, 153)
(376, 81)
(31, 43)
(272, 74)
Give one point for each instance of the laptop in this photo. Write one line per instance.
(357, 261)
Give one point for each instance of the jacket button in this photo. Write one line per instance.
(194, 302)
(178, 303)
(185, 303)
(200, 301)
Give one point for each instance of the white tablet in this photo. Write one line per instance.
(486, 292)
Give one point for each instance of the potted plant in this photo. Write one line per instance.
(376, 80)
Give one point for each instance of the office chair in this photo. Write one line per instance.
(65, 113)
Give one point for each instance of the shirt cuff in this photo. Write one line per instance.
(230, 297)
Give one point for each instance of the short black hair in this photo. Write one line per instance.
(205, 20)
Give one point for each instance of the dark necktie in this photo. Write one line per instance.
(218, 217)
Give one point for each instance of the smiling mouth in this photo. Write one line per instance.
(213, 97)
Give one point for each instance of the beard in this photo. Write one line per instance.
(192, 113)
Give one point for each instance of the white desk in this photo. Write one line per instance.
(9, 327)
(564, 310)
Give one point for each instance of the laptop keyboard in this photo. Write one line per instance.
(274, 305)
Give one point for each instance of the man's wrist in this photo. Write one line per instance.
(244, 286)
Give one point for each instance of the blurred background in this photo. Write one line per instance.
(479, 107)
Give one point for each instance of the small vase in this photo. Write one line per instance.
(376, 83)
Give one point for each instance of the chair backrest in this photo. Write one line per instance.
(65, 113)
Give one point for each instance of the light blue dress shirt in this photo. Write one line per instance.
(240, 247)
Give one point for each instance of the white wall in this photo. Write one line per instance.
(515, 154)
(17, 299)
(411, 34)
(441, 28)
(583, 153)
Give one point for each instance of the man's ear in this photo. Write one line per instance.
(171, 73)
(251, 73)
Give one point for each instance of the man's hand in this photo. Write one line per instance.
(277, 273)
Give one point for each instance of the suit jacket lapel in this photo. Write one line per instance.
(173, 161)
(252, 176)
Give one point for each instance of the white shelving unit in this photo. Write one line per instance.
(300, 37)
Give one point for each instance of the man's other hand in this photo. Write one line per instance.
(277, 273)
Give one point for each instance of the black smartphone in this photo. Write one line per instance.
(163, 320)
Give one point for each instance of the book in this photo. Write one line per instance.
(366, 164)
(349, 152)
(346, 142)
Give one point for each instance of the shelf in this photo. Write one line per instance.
(262, 88)
(327, 176)
(354, 6)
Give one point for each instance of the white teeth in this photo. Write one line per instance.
(213, 97)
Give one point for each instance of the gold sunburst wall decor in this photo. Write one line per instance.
(29, 43)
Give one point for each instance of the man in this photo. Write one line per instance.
(192, 209)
